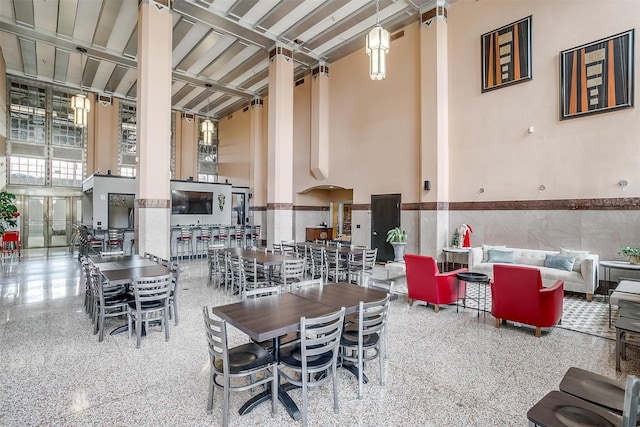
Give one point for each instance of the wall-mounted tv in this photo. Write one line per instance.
(191, 202)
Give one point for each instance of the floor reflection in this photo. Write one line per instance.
(38, 279)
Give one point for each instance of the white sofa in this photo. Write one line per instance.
(583, 281)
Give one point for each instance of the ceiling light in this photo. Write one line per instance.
(207, 126)
(80, 104)
(377, 47)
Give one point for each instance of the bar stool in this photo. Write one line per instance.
(223, 235)
(203, 241)
(238, 235)
(184, 243)
(115, 240)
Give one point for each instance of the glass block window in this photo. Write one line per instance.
(204, 177)
(27, 113)
(173, 145)
(128, 133)
(128, 171)
(26, 170)
(207, 154)
(68, 174)
(63, 131)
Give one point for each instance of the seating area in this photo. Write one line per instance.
(499, 367)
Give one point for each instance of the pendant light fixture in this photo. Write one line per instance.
(377, 47)
(207, 127)
(80, 104)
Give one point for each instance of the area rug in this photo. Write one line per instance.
(578, 314)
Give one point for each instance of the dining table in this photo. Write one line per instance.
(270, 317)
(267, 259)
(122, 270)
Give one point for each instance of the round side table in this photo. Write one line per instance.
(480, 279)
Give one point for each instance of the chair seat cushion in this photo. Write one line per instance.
(245, 357)
(147, 305)
(350, 337)
(292, 356)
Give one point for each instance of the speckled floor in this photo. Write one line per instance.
(444, 369)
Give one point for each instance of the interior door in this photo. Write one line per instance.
(385, 215)
(47, 222)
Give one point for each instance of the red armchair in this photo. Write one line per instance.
(425, 283)
(517, 295)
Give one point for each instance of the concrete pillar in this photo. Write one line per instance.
(280, 147)
(153, 200)
(434, 129)
(320, 121)
(257, 170)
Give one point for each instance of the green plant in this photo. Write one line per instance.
(8, 211)
(629, 251)
(396, 235)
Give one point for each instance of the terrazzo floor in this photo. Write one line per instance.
(444, 369)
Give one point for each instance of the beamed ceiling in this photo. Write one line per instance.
(223, 43)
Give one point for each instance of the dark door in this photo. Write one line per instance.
(385, 215)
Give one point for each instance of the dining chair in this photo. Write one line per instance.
(594, 388)
(315, 356)
(336, 265)
(254, 276)
(108, 302)
(362, 342)
(245, 360)
(238, 279)
(173, 296)
(320, 266)
(238, 236)
(292, 271)
(151, 303)
(561, 409)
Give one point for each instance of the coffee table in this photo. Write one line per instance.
(473, 277)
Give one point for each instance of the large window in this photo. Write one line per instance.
(208, 156)
(128, 134)
(44, 147)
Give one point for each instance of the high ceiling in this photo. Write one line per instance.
(224, 43)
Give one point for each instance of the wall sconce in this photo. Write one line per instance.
(480, 191)
(542, 188)
(623, 184)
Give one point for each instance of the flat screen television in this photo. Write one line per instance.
(191, 202)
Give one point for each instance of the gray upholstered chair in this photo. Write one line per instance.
(245, 360)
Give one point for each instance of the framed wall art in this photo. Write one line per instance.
(506, 55)
(597, 77)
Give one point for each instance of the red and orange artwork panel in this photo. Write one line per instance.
(506, 55)
(597, 77)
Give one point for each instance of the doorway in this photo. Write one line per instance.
(385, 215)
(48, 219)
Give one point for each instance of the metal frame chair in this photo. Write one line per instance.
(562, 409)
(151, 299)
(365, 335)
(245, 360)
(315, 356)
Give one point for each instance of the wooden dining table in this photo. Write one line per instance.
(267, 259)
(269, 317)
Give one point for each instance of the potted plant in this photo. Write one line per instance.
(632, 253)
(8, 211)
(398, 239)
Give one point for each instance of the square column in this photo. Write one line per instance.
(280, 147)
(320, 121)
(154, 128)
